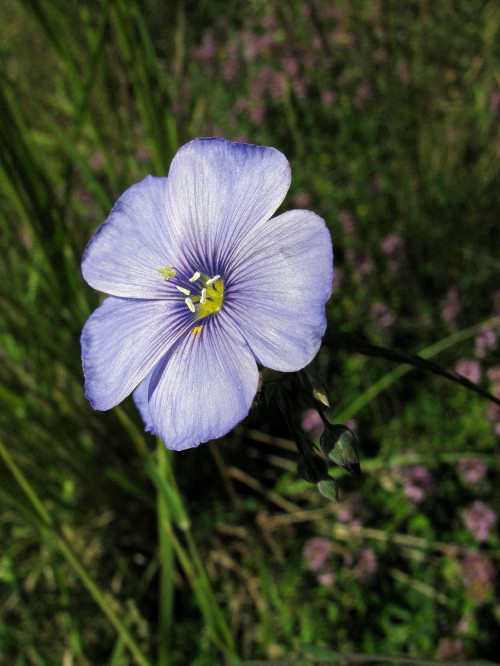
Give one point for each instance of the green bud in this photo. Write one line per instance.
(328, 488)
(339, 444)
(311, 468)
(317, 386)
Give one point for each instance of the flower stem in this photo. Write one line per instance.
(166, 562)
(46, 525)
(399, 371)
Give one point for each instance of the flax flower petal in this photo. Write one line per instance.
(203, 387)
(135, 242)
(282, 279)
(218, 191)
(141, 400)
(122, 341)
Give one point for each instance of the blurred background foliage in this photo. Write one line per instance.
(389, 113)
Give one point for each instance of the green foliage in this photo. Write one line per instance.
(389, 115)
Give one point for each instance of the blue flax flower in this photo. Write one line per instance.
(204, 286)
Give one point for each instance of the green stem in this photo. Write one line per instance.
(48, 526)
(25, 486)
(384, 382)
(101, 601)
(166, 563)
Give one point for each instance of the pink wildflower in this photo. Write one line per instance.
(312, 423)
(479, 573)
(382, 316)
(472, 470)
(495, 102)
(302, 200)
(493, 416)
(347, 222)
(316, 552)
(393, 247)
(326, 578)
(143, 154)
(478, 519)
(230, 69)
(363, 94)
(451, 649)
(366, 564)
(469, 369)
(328, 97)
(493, 375)
(416, 480)
(96, 160)
(485, 341)
(206, 50)
(338, 278)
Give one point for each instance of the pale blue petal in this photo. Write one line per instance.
(204, 386)
(122, 341)
(217, 192)
(141, 400)
(281, 278)
(126, 252)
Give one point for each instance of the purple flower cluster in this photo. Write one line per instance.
(347, 223)
(478, 519)
(472, 470)
(393, 246)
(317, 553)
(478, 576)
(470, 369)
(276, 59)
(362, 563)
(493, 410)
(495, 102)
(416, 481)
(382, 316)
(451, 649)
(485, 341)
(350, 510)
(311, 423)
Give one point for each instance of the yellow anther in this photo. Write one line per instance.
(196, 330)
(167, 272)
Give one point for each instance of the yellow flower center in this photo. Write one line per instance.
(204, 296)
(211, 298)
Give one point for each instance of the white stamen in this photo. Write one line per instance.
(212, 280)
(190, 304)
(203, 297)
(183, 290)
(195, 277)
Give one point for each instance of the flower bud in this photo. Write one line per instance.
(339, 444)
(328, 488)
(317, 386)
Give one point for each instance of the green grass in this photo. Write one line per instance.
(118, 552)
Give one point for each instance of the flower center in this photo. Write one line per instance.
(204, 296)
